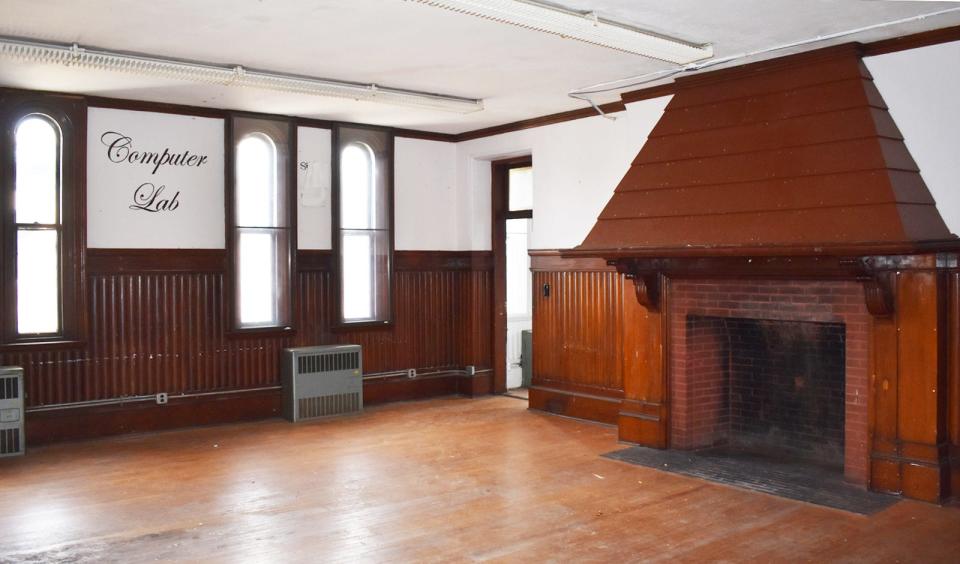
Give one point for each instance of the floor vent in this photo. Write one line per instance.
(12, 440)
(322, 381)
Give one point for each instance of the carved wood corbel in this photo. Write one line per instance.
(646, 283)
(878, 293)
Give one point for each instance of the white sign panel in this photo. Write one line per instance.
(313, 188)
(154, 180)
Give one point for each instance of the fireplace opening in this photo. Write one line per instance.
(767, 387)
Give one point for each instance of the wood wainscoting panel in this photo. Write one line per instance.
(577, 337)
(158, 324)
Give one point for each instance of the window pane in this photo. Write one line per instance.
(365, 283)
(258, 254)
(519, 277)
(521, 188)
(357, 174)
(256, 182)
(358, 271)
(37, 167)
(38, 292)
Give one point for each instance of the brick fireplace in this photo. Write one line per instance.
(775, 366)
(777, 230)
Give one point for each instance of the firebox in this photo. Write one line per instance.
(774, 387)
(774, 368)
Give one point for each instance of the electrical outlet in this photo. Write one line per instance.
(162, 398)
(470, 369)
(412, 373)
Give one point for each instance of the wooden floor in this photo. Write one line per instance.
(442, 480)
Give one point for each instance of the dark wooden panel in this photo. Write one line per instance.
(89, 422)
(572, 404)
(118, 261)
(763, 155)
(831, 127)
(553, 261)
(846, 189)
(443, 260)
(577, 328)
(157, 324)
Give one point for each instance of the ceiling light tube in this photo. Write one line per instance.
(586, 27)
(74, 55)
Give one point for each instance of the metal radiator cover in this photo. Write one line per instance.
(12, 439)
(322, 381)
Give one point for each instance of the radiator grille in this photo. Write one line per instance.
(9, 441)
(9, 387)
(335, 404)
(328, 362)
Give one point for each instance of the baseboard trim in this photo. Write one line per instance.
(601, 409)
(84, 423)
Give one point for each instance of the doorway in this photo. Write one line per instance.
(512, 206)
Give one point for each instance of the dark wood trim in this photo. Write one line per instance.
(443, 260)
(69, 424)
(597, 408)
(561, 117)
(388, 163)
(288, 289)
(121, 261)
(45, 427)
(772, 251)
(554, 261)
(314, 260)
(69, 113)
(912, 41)
(883, 46)
(499, 192)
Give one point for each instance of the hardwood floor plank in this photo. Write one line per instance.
(441, 480)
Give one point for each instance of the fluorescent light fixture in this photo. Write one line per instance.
(586, 27)
(76, 56)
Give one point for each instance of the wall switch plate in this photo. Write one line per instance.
(162, 398)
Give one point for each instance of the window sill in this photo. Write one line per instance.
(254, 332)
(47, 345)
(362, 326)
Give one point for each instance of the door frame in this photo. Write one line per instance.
(499, 214)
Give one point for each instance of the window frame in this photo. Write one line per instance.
(384, 163)
(286, 162)
(69, 114)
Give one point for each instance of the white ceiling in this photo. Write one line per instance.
(519, 73)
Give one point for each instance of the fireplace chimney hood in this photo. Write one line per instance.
(796, 156)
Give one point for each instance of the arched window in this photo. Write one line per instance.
(37, 169)
(41, 218)
(364, 241)
(357, 218)
(261, 226)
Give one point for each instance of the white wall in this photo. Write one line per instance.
(442, 190)
(576, 166)
(138, 205)
(922, 89)
(313, 188)
(426, 199)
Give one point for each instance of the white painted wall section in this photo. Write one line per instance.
(154, 180)
(426, 201)
(922, 89)
(577, 165)
(313, 188)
